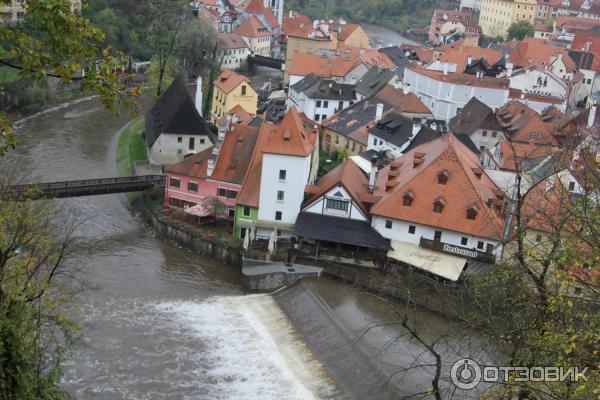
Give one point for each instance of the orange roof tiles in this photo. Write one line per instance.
(292, 137)
(529, 53)
(232, 40)
(347, 31)
(524, 124)
(229, 80)
(348, 175)
(513, 154)
(235, 154)
(582, 38)
(252, 27)
(193, 166)
(257, 7)
(295, 22)
(467, 187)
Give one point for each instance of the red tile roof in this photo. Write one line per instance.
(513, 154)
(252, 27)
(229, 80)
(292, 137)
(347, 31)
(232, 40)
(295, 22)
(235, 154)
(257, 7)
(580, 39)
(193, 166)
(524, 124)
(529, 53)
(468, 186)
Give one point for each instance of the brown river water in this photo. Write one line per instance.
(159, 322)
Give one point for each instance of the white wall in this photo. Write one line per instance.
(444, 98)
(234, 58)
(309, 105)
(167, 149)
(297, 176)
(318, 206)
(399, 232)
(530, 81)
(489, 140)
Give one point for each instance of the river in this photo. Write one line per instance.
(159, 322)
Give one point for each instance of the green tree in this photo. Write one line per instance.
(520, 30)
(54, 42)
(34, 333)
(194, 48)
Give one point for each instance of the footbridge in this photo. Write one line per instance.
(255, 60)
(85, 187)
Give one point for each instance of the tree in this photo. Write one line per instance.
(33, 331)
(194, 48)
(520, 30)
(54, 42)
(166, 18)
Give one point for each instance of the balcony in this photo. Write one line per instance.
(457, 250)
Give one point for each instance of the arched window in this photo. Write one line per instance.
(408, 199)
(438, 206)
(443, 177)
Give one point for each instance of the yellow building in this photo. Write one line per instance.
(353, 35)
(307, 39)
(496, 16)
(230, 90)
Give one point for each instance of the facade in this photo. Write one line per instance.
(175, 128)
(256, 35)
(231, 90)
(448, 24)
(320, 98)
(448, 93)
(307, 40)
(233, 51)
(497, 16)
(353, 35)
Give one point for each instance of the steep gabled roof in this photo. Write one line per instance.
(350, 177)
(347, 31)
(193, 166)
(468, 186)
(321, 88)
(235, 154)
(523, 124)
(393, 128)
(474, 115)
(291, 137)
(175, 113)
(374, 80)
(229, 80)
(252, 27)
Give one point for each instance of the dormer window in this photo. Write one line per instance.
(408, 199)
(443, 177)
(438, 206)
(472, 213)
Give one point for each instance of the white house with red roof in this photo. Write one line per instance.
(436, 201)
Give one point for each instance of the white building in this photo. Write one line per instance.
(539, 88)
(446, 93)
(175, 128)
(233, 51)
(289, 163)
(320, 98)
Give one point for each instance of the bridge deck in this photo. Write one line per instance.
(85, 187)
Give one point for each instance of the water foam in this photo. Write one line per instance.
(253, 351)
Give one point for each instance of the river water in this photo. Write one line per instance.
(159, 322)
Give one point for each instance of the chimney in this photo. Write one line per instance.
(588, 45)
(509, 69)
(373, 174)
(445, 68)
(406, 89)
(379, 112)
(199, 95)
(469, 60)
(291, 14)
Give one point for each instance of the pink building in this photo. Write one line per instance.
(215, 173)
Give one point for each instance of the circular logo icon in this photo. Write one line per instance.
(465, 374)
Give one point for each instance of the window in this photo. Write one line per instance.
(325, 104)
(464, 241)
(340, 105)
(179, 139)
(437, 236)
(480, 245)
(438, 206)
(411, 229)
(280, 195)
(192, 187)
(243, 90)
(221, 192)
(282, 174)
(494, 134)
(231, 213)
(278, 215)
(318, 103)
(353, 146)
(246, 211)
(571, 186)
(484, 133)
(317, 117)
(333, 204)
(472, 213)
(443, 178)
(489, 248)
(375, 142)
(175, 182)
(407, 200)
(202, 141)
(232, 194)
(388, 224)
(192, 143)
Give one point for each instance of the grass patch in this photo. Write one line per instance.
(131, 148)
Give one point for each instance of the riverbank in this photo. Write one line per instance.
(131, 147)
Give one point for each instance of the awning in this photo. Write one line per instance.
(444, 265)
(339, 230)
